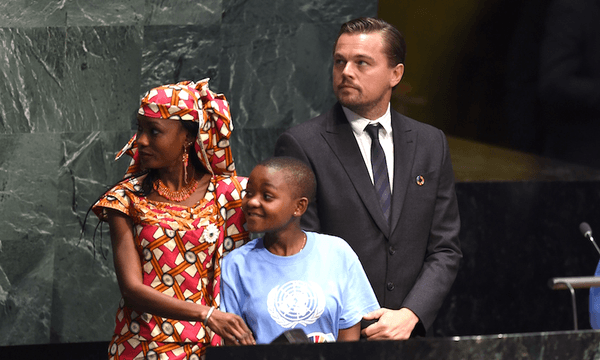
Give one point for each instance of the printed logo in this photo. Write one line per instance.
(319, 337)
(296, 302)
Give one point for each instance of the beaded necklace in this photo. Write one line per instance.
(179, 195)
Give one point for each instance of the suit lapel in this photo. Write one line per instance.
(405, 141)
(338, 134)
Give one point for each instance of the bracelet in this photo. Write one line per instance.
(210, 311)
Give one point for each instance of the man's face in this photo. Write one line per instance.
(362, 76)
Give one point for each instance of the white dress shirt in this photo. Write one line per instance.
(363, 139)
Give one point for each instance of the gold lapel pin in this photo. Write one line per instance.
(420, 180)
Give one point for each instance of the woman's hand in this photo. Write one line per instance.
(231, 328)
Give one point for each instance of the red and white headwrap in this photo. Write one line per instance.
(191, 101)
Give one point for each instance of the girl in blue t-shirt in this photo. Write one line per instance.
(291, 278)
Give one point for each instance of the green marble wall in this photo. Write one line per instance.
(71, 75)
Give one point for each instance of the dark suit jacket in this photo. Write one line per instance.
(413, 262)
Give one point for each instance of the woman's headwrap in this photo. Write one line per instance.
(190, 101)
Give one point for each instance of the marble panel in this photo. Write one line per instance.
(295, 11)
(32, 67)
(183, 12)
(26, 275)
(71, 76)
(101, 89)
(242, 68)
(86, 293)
(313, 71)
(266, 82)
(50, 13)
(33, 13)
(572, 345)
(75, 79)
(567, 345)
(28, 185)
(175, 53)
(251, 146)
(104, 13)
(86, 170)
(259, 63)
(515, 237)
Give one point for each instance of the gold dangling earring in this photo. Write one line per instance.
(186, 158)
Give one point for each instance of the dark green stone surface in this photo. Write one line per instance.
(71, 76)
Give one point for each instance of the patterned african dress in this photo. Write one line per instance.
(180, 249)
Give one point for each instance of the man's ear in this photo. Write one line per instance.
(301, 206)
(397, 74)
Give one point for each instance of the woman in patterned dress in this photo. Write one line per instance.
(172, 219)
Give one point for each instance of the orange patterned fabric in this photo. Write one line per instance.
(185, 101)
(180, 249)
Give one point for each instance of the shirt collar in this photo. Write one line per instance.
(358, 123)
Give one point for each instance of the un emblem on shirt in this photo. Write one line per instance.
(296, 302)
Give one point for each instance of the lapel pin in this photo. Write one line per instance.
(420, 180)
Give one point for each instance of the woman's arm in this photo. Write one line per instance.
(349, 334)
(143, 298)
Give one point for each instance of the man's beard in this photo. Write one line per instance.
(357, 106)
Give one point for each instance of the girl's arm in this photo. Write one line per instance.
(143, 298)
(349, 334)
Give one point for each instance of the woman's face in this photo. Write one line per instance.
(160, 142)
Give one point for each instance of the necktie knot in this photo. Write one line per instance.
(373, 131)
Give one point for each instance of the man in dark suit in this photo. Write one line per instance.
(388, 192)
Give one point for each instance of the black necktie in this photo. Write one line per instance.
(380, 171)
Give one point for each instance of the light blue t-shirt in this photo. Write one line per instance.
(320, 290)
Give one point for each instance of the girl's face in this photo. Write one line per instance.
(160, 142)
(269, 204)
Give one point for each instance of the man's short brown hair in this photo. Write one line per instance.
(394, 44)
